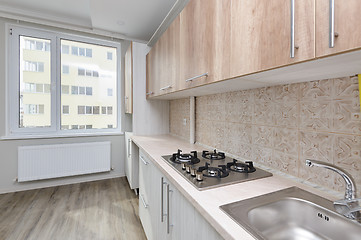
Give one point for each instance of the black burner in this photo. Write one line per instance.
(214, 172)
(185, 157)
(241, 167)
(213, 155)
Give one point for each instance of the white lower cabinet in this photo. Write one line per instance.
(164, 212)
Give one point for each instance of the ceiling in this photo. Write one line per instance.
(133, 19)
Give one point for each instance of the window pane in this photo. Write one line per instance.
(65, 69)
(81, 51)
(65, 109)
(39, 88)
(101, 109)
(46, 88)
(35, 101)
(89, 91)
(81, 71)
(95, 109)
(82, 90)
(81, 109)
(74, 50)
(64, 89)
(109, 55)
(64, 49)
(74, 90)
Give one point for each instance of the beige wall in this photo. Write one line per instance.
(8, 148)
(281, 126)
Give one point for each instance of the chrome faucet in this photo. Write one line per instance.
(349, 205)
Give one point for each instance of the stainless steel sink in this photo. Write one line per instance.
(292, 214)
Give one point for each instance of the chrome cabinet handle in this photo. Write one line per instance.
(332, 33)
(292, 50)
(165, 88)
(168, 213)
(149, 93)
(199, 76)
(162, 200)
(143, 160)
(142, 199)
(129, 142)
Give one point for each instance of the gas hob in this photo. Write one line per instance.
(209, 169)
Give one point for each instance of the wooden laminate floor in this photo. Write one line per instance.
(106, 209)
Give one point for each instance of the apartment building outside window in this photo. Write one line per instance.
(38, 67)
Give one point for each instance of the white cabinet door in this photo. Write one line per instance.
(145, 195)
(131, 161)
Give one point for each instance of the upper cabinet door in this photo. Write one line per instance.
(204, 39)
(343, 26)
(261, 36)
(169, 58)
(128, 79)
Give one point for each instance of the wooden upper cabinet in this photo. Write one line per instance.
(128, 76)
(204, 41)
(169, 58)
(261, 34)
(153, 72)
(347, 19)
(163, 62)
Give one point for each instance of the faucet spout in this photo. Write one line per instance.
(350, 192)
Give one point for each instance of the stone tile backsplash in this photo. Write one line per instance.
(281, 126)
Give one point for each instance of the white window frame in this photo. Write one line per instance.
(13, 115)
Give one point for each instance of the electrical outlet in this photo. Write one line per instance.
(184, 122)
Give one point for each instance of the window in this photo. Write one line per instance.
(74, 90)
(38, 68)
(33, 66)
(34, 109)
(65, 109)
(64, 49)
(64, 89)
(110, 92)
(65, 69)
(109, 55)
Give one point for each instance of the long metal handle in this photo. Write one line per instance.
(165, 88)
(142, 199)
(161, 200)
(168, 213)
(332, 24)
(149, 93)
(199, 76)
(129, 142)
(292, 50)
(143, 160)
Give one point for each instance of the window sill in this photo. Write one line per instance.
(49, 136)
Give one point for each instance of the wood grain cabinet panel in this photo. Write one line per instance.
(204, 41)
(347, 25)
(261, 34)
(128, 75)
(163, 62)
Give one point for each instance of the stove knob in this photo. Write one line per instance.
(184, 166)
(193, 172)
(188, 168)
(199, 176)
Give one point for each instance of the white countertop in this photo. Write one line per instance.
(207, 202)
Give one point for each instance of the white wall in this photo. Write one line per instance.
(8, 148)
(150, 117)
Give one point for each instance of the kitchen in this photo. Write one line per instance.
(277, 104)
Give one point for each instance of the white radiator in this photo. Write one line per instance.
(61, 160)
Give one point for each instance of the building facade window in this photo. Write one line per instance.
(65, 109)
(33, 66)
(43, 102)
(65, 69)
(109, 55)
